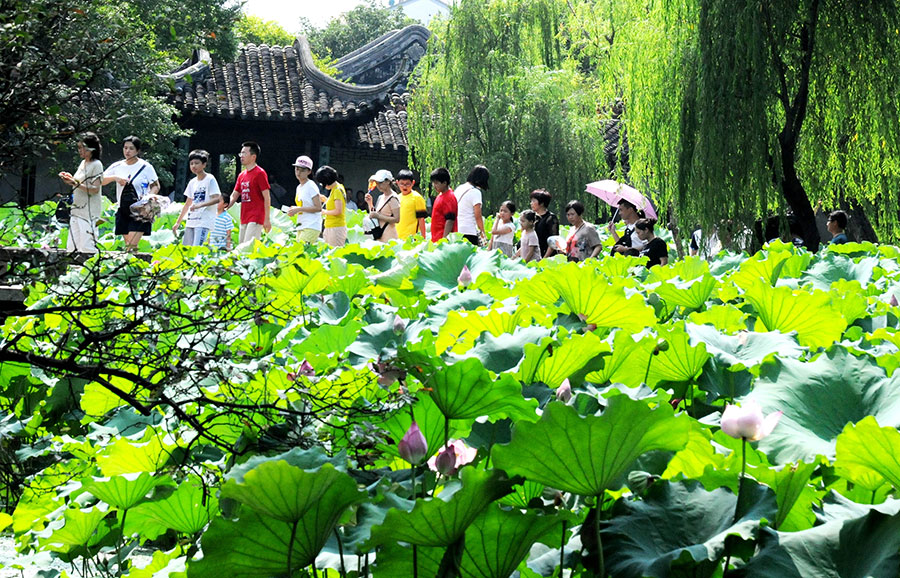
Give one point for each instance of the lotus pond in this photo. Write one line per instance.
(241, 414)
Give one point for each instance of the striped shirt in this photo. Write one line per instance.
(221, 229)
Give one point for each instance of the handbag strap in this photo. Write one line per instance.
(143, 166)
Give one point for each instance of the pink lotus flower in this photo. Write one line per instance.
(465, 276)
(747, 421)
(413, 447)
(564, 391)
(452, 457)
(893, 301)
(306, 369)
(399, 324)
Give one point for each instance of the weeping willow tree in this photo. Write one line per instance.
(738, 109)
(498, 87)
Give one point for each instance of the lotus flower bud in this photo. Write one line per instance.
(456, 452)
(894, 300)
(564, 391)
(747, 421)
(413, 447)
(445, 463)
(465, 276)
(399, 324)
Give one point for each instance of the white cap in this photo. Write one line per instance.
(304, 161)
(381, 176)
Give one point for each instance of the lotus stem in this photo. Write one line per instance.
(415, 561)
(340, 552)
(562, 548)
(290, 570)
(601, 565)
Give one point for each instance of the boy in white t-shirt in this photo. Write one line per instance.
(202, 194)
(307, 202)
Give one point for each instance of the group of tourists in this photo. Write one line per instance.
(395, 209)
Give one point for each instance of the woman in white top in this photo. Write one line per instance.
(307, 202)
(86, 198)
(503, 235)
(143, 177)
(387, 210)
(468, 200)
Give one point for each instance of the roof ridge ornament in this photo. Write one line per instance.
(336, 87)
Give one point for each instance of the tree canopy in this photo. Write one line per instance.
(353, 29)
(255, 30)
(523, 106)
(734, 110)
(76, 65)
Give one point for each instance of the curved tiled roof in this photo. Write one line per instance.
(275, 83)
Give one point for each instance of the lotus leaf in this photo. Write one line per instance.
(584, 455)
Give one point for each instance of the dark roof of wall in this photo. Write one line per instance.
(275, 83)
(389, 129)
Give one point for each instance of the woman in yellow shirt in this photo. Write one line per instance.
(334, 231)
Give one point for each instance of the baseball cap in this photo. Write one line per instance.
(381, 176)
(304, 161)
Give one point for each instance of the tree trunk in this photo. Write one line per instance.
(795, 195)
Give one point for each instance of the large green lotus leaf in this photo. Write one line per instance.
(765, 265)
(863, 547)
(430, 421)
(396, 561)
(538, 290)
(628, 362)
(550, 363)
(682, 361)
(617, 267)
(811, 315)
(186, 510)
(727, 318)
(285, 492)
(868, 454)
(819, 398)
(499, 540)
(126, 490)
(681, 525)
(691, 267)
(522, 494)
(793, 492)
(296, 280)
(5, 521)
(849, 298)
(460, 329)
(595, 299)
(441, 521)
(504, 352)
(327, 340)
(831, 267)
(77, 531)
(256, 545)
(125, 456)
(347, 278)
(690, 294)
(97, 400)
(746, 349)
(256, 340)
(583, 455)
(439, 270)
(466, 390)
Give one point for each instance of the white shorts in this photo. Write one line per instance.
(82, 235)
(335, 236)
(250, 231)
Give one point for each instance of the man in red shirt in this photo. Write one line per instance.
(252, 185)
(443, 213)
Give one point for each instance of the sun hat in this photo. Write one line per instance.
(304, 161)
(381, 176)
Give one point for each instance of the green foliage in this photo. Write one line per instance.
(68, 67)
(519, 100)
(242, 410)
(584, 455)
(353, 29)
(255, 30)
